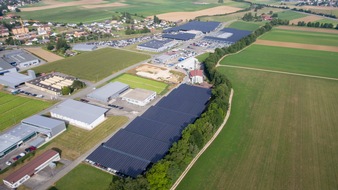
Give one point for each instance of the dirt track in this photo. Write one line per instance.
(308, 29)
(297, 45)
(306, 19)
(50, 4)
(175, 16)
(46, 55)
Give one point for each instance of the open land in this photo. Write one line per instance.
(311, 62)
(95, 65)
(315, 38)
(297, 45)
(290, 15)
(44, 54)
(85, 177)
(308, 29)
(310, 18)
(139, 82)
(242, 25)
(14, 108)
(159, 73)
(281, 135)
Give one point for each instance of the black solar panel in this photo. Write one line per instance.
(236, 35)
(180, 36)
(204, 27)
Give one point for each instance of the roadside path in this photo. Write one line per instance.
(280, 72)
(206, 145)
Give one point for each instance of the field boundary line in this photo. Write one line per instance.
(178, 181)
(281, 72)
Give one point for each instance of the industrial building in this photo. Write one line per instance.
(108, 91)
(84, 47)
(157, 45)
(6, 67)
(137, 96)
(14, 79)
(204, 27)
(51, 83)
(148, 138)
(20, 58)
(17, 178)
(179, 36)
(46, 128)
(189, 64)
(228, 36)
(196, 76)
(79, 114)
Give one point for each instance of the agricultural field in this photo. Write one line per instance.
(84, 177)
(140, 82)
(281, 135)
(242, 25)
(290, 15)
(332, 21)
(315, 38)
(311, 62)
(76, 141)
(14, 108)
(95, 65)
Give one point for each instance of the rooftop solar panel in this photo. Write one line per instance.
(204, 27)
(180, 36)
(236, 35)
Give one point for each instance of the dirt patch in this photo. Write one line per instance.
(297, 45)
(46, 55)
(89, 4)
(306, 19)
(308, 29)
(158, 73)
(175, 16)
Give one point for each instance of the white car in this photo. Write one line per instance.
(8, 163)
(22, 154)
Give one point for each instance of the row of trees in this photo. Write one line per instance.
(164, 173)
(317, 24)
(130, 31)
(77, 84)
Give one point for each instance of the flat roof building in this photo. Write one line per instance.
(20, 58)
(14, 79)
(157, 45)
(108, 91)
(80, 114)
(140, 97)
(15, 179)
(204, 27)
(189, 64)
(6, 67)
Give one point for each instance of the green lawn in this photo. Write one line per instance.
(202, 57)
(301, 37)
(282, 134)
(242, 25)
(311, 62)
(14, 108)
(95, 65)
(85, 177)
(140, 82)
(290, 15)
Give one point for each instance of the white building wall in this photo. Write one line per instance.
(138, 102)
(196, 79)
(28, 63)
(80, 123)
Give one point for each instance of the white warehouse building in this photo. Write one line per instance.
(140, 97)
(80, 114)
(189, 64)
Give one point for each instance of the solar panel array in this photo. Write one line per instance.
(148, 137)
(204, 27)
(236, 35)
(179, 36)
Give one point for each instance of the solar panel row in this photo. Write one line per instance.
(180, 36)
(148, 138)
(236, 35)
(204, 27)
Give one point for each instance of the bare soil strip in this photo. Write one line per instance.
(175, 16)
(297, 45)
(84, 3)
(308, 29)
(206, 145)
(46, 55)
(310, 18)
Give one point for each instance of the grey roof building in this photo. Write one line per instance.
(5, 67)
(14, 79)
(80, 114)
(157, 45)
(108, 92)
(84, 47)
(48, 126)
(20, 58)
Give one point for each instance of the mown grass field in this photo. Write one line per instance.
(290, 15)
(14, 108)
(85, 177)
(282, 134)
(76, 141)
(95, 65)
(242, 25)
(140, 82)
(311, 62)
(202, 57)
(301, 37)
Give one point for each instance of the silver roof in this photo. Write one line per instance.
(15, 78)
(80, 111)
(109, 90)
(43, 122)
(4, 65)
(19, 56)
(15, 135)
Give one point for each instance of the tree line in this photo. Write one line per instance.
(317, 25)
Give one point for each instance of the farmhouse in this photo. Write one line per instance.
(157, 45)
(108, 91)
(15, 179)
(20, 58)
(84, 47)
(140, 97)
(196, 76)
(189, 64)
(80, 114)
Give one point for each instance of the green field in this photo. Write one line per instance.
(140, 82)
(282, 134)
(202, 57)
(242, 25)
(15, 108)
(85, 177)
(334, 22)
(95, 65)
(311, 62)
(290, 15)
(301, 37)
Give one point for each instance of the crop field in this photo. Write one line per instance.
(76, 141)
(332, 21)
(282, 134)
(140, 82)
(242, 25)
(95, 65)
(290, 15)
(15, 108)
(85, 177)
(311, 62)
(301, 37)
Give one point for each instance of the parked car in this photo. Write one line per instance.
(30, 149)
(8, 163)
(22, 154)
